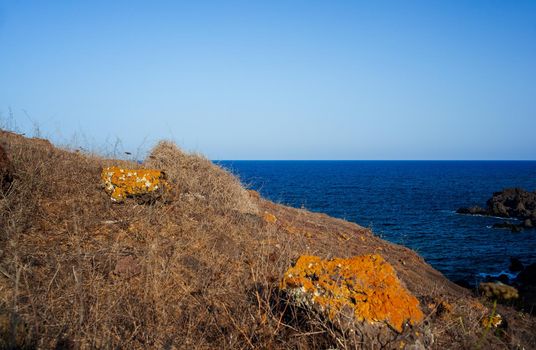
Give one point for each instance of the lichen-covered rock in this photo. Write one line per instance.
(498, 291)
(366, 287)
(121, 183)
(269, 218)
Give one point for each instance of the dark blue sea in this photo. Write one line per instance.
(408, 202)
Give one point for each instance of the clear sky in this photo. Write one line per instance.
(276, 79)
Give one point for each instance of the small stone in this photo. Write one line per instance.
(127, 267)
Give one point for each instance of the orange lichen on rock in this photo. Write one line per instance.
(270, 218)
(367, 285)
(121, 183)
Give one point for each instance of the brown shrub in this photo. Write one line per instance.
(198, 178)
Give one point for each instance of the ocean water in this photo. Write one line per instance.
(408, 202)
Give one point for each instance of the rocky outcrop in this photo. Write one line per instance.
(6, 171)
(476, 210)
(513, 202)
(121, 183)
(509, 203)
(362, 292)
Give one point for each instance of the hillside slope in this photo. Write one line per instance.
(198, 267)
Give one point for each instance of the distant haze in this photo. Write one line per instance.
(276, 79)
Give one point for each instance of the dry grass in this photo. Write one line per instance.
(199, 269)
(196, 178)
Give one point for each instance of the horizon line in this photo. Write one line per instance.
(373, 160)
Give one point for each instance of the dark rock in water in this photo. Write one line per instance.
(508, 225)
(497, 209)
(512, 202)
(476, 210)
(528, 223)
(528, 275)
(515, 265)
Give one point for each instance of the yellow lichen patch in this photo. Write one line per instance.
(493, 321)
(121, 183)
(365, 284)
(270, 218)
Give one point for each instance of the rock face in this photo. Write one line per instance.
(509, 203)
(6, 170)
(121, 183)
(364, 290)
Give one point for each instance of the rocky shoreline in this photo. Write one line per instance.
(520, 205)
(513, 203)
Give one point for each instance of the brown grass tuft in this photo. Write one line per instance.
(197, 178)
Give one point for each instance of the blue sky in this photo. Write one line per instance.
(276, 79)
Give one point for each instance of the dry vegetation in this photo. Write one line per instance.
(198, 269)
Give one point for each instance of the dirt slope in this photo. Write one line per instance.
(198, 268)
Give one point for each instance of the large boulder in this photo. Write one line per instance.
(121, 183)
(363, 293)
